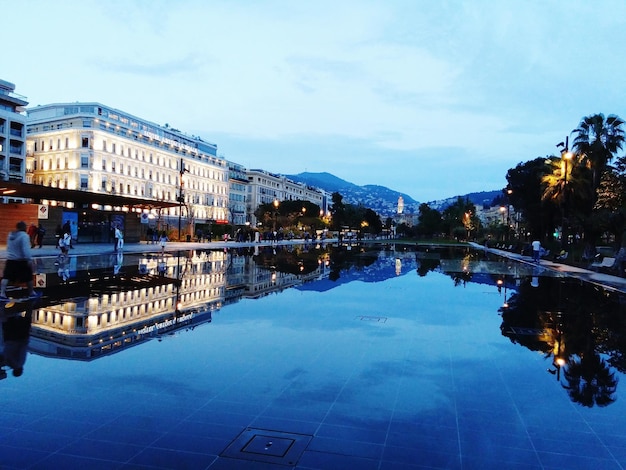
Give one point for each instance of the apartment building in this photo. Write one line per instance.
(90, 147)
(265, 187)
(12, 133)
(238, 184)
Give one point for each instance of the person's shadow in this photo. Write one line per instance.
(15, 319)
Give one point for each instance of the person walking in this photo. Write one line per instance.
(19, 264)
(163, 242)
(536, 244)
(41, 231)
(119, 237)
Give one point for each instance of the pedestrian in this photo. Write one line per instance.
(64, 244)
(32, 234)
(68, 229)
(163, 242)
(19, 264)
(41, 231)
(536, 244)
(119, 237)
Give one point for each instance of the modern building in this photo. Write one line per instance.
(12, 133)
(94, 148)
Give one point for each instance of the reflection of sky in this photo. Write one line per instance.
(405, 358)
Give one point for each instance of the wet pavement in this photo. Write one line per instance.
(387, 360)
(603, 279)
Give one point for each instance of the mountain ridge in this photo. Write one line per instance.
(379, 198)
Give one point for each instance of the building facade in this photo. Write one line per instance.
(12, 133)
(238, 185)
(95, 148)
(265, 187)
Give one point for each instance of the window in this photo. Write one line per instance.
(85, 142)
(104, 145)
(84, 161)
(67, 143)
(104, 164)
(104, 184)
(113, 147)
(84, 182)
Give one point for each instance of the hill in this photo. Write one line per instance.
(379, 198)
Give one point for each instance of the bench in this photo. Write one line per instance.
(607, 262)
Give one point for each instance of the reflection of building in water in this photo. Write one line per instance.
(262, 281)
(87, 327)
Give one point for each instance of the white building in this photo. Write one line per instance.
(238, 183)
(265, 187)
(92, 147)
(12, 133)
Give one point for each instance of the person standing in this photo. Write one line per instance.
(19, 264)
(32, 234)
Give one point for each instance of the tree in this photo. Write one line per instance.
(429, 221)
(455, 215)
(597, 140)
(567, 184)
(525, 183)
(337, 211)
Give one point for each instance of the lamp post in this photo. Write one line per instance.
(566, 155)
(275, 212)
(181, 195)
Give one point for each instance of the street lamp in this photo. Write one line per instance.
(566, 155)
(181, 195)
(275, 212)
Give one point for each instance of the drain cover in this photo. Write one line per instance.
(263, 445)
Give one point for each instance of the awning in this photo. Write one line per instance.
(37, 193)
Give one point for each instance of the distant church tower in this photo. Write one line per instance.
(400, 205)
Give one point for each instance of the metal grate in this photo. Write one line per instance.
(263, 445)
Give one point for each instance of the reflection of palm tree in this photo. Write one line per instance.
(590, 381)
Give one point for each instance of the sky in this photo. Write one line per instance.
(430, 98)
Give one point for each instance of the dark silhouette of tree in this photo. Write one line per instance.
(337, 211)
(429, 221)
(597, 140)
(589, 380)
(525, 183)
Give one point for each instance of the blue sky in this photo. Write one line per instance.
(430, 98)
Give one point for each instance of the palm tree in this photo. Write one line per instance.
(597, 140)
(566, 183)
